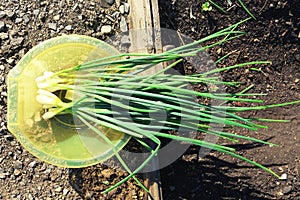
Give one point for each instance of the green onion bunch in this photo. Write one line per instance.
(127, 99)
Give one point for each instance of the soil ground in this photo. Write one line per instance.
(274, 36)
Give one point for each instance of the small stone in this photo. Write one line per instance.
(17, 172)
(32, 164)
(17, 41)
(116, 14)
(123, 25)
(2, 175)
(110, 18)
(296, 80)
(3, 123)
(18, 20)
(10, 13)
(18, 165)
(56, 17)
(110, 2)
(283, 176)
(2, 80)
(52, 26)
(26, 19)
(2, 67)
(68, 28)
(47, 171)
(3, 36)
(44, 3)
(65, 191)
(58, 189)
(3, 94)
(2, 14)
(118, 2)
(277, 183)
(106, 29)
(43, 167)
(122, 9)
(11, 170)
(287, 189)
(92, 4)
(36, 12)
(10, 60)
(30, 197)
(127, 7)
(2, 25)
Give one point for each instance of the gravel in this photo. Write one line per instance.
(110, 2)
(2, 26)
(122, 9)
(127, 7)
(52, 26)
(123, 25)
(106, 29)
(24, 24)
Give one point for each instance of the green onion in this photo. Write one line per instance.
(130, 103)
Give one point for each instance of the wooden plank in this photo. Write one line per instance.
(156, 27)
(144, 33)
(144, 29)
(140, 26)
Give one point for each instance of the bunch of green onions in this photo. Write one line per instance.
(128, 102)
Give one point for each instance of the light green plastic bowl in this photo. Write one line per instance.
(52, 141)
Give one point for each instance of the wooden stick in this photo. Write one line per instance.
(144, 32)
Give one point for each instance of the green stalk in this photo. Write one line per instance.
(81, 117)
(218, 70)
(241, 109)
(217, 6)
(224, 57)
(208, 118)
(246, 9)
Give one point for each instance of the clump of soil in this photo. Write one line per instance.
(92, 181)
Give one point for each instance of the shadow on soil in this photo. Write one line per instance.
(210, 178)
